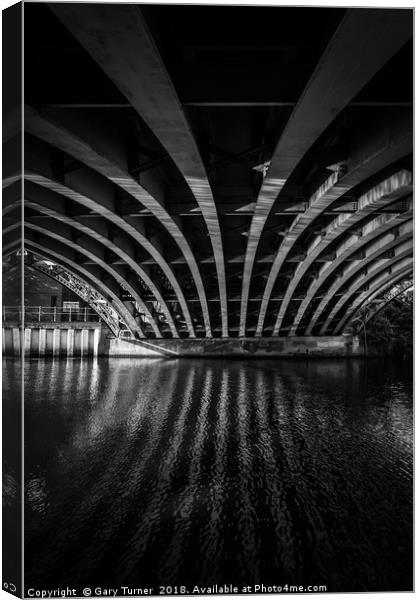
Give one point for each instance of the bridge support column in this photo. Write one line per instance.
(70, 342)
(96, 336)
(27, 342)
(42, 342)
(84, 342)
(16, 337)
(56, 342)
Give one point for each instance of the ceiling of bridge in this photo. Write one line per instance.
(228, 164)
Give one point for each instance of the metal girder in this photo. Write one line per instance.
(371, 156)
(118, 39)
(107, 243)
(77, 139)
(55, 256)
(102, 264)
(396, 186)
(364, 280)
(365, 39)
(341, 281)
(389, 297)
(85, 291)
(399, 275)
(190, 209)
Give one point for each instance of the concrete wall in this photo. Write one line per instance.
(235, 347)
(52, 339)
(89, 339)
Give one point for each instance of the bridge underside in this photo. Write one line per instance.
(218, 171)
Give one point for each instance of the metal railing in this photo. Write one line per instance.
(49, 314)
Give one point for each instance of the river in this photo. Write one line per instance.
(201, 472)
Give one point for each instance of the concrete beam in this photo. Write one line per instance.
(11, 227)
(102, 206)
(405, 253)
(77, 139)
(11, 207)
(11, 197)
(118, 39)
(11, 245)
(382, 233)
(385, 193)
(400, 274)
(363, 42)
(60, 237)
(241, 104)
(359, 271)
(190, 209)
(106, 242)
(51, 254)
(371, 155)
(11, 179)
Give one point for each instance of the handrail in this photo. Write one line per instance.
(49, 314)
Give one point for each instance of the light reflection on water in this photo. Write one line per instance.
(200, 472)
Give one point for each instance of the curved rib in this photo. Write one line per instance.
(11, 198)
(393, 188)
(358, 49)
(352, 270)
(103, 211)
(126, 316)
(10, 227)
(400, 274)
(11, 207)
(10, 180)
(114, 247)
(363, 280)
(98, 261)
(117, 38)
(362, 167)
(85, 146)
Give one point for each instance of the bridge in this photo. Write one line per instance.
(217, 172)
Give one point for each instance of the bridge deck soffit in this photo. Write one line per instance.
(207, 185)
(125, 50)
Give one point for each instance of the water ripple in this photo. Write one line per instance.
(202, 472)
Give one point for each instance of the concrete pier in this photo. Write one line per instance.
(53, 340)
(57, 340)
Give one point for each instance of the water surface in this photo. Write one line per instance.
(202, 472)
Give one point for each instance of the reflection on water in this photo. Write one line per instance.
(201, 472)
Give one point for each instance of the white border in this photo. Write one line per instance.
(338, 3)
